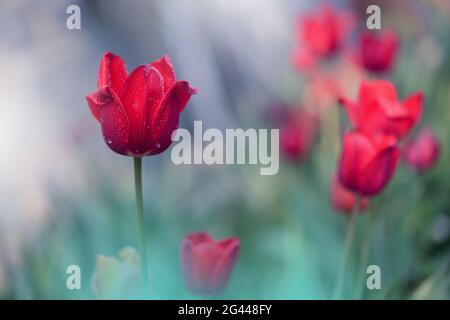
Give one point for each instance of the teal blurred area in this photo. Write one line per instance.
(65, 198)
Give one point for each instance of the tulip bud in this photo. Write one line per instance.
(297, 136)
(423, 151)
(324, 31)
(206, 263)
(367, 163)
(378, 50)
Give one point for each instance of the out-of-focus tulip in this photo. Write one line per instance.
(138, 112)
(117, 278)
(423, 151)
(367, 162)
(344, 200)
(323, 31)
(378, 109)
(378, 50)
(297, 135)
(206, 263)
(303, 59)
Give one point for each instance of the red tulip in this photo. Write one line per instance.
(378, 50)
(324, 31)
(297, 136)
(344, 200)
(367, 162)
(379, 111)
(422, 152)
(138, 112)
(206, 263)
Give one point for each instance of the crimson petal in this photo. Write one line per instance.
(379, 171)
(165, 118)
(108, 110)
(165, 68)
(142, 93)
(112, 72)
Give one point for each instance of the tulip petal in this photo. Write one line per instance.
(165, 68)
(166, 116)
(370, 91)
(414, 105)
(379, 171)
(357, 152)
(229, 249)
(112, 73)
(142, 93)
(108, 110)
(400, 123)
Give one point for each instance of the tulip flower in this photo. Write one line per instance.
(378, 109)
(138, 112)
(206, 263)
(367, 163)
(422, 152)
(344, 200)
(378, 50)
(297, 136)
(323, 32)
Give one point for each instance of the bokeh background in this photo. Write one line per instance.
(65, 198)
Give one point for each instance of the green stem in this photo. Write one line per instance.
(140, 221)
(346, 254)
(364, 256)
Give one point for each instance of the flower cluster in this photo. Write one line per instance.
(379, 119)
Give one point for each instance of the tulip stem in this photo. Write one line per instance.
(346, 253)
(364, 256)
(140, 221)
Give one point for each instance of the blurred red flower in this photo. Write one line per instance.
(297, 135)
(423, 151)
(367, 162)
(303, 59)
(323, 31)
(138, 112)
(344, 200)
(378, 50)
(206, 263)
(379, 111)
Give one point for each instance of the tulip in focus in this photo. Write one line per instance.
(206, 263)
(367, 162)
(378, 109)
(324, 31)
(138, 112)
(378, 50)
(423, 151)
(344, 200)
